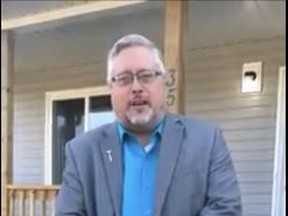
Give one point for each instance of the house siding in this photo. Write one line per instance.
(213, 84)
(29, 121)
(213, 93)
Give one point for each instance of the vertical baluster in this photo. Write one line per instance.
(11, 202)
(21, 203)
(53, 207)
(52, 196)
(32, 202)
(43, 202)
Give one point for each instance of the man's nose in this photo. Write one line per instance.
(136, 86)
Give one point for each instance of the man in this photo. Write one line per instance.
(149, 162)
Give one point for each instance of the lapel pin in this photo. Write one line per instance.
(109, 154)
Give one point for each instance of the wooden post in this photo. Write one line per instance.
(175, 21)
(6, 117)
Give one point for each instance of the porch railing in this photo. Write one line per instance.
(31, 200)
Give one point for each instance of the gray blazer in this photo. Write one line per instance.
(195, 178)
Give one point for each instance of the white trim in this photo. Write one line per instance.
(86, 112)
(62, 95)
(78, 93)
(279, 187)
(64, 13)
(47, 146)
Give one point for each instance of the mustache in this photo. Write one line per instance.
(138, 100)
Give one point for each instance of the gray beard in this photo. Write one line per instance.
(141, 120)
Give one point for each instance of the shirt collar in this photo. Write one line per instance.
(122, 132)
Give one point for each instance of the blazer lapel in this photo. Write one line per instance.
(170, 148)
(112, 157)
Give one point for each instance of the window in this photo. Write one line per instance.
(68, 114)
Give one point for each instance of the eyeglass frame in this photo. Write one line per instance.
(136, 75)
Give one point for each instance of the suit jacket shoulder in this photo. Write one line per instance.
(91, 138)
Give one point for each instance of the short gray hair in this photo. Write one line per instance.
(132, 40)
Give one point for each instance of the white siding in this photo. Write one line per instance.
(213, 92)
(30, 115)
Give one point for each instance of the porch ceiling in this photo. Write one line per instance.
(211, 23)
(15, 9)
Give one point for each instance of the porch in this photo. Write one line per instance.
(31, 200)
(213, 60)
(26, 199)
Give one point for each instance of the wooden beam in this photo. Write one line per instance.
(175, 26)
(64, 13)
(6, 116)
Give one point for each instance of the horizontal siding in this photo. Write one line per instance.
(238, 113)
(29, 118)
(255, 188)
(250, 145)
(253, 123)
(230, 103)
(254, 166)
(28, 137)
(256, 199)
(245, 135)
(213, 92)
(256, 155)
(93, 69)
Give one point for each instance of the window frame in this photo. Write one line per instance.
(50, 97)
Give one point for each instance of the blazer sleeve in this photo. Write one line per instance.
(223, 194)
(70, 199)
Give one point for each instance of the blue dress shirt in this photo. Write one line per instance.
(140, 165)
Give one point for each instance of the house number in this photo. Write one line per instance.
(171, 82)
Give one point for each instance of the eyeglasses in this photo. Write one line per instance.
(143, 77)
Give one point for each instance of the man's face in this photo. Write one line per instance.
(137, 104)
